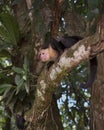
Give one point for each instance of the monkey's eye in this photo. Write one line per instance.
(41, 54)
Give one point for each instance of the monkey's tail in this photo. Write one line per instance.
(92, 75)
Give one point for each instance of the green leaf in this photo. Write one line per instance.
(10, 97)
(4, 35)
(5, 87)
(26, 87)
(4, 45)
(7, 91)
(9, 28)
(18, 70)
(25, 77)
(17, 79)
(26, 65)
(19, 86)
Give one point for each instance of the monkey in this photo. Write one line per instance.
(54, 50)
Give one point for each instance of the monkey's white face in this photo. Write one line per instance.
(44, 55)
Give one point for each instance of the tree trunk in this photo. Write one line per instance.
(97, 122)
(50, 119)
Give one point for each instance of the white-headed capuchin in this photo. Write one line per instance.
(54, 49)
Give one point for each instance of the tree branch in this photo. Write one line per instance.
(49, 79)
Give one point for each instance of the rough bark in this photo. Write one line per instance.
(19, 10)
(97, 109)
(49, 119)
(97, 121)
(57, 10)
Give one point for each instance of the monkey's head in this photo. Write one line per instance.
(48, 54)
(44, 55)
(50, 51)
